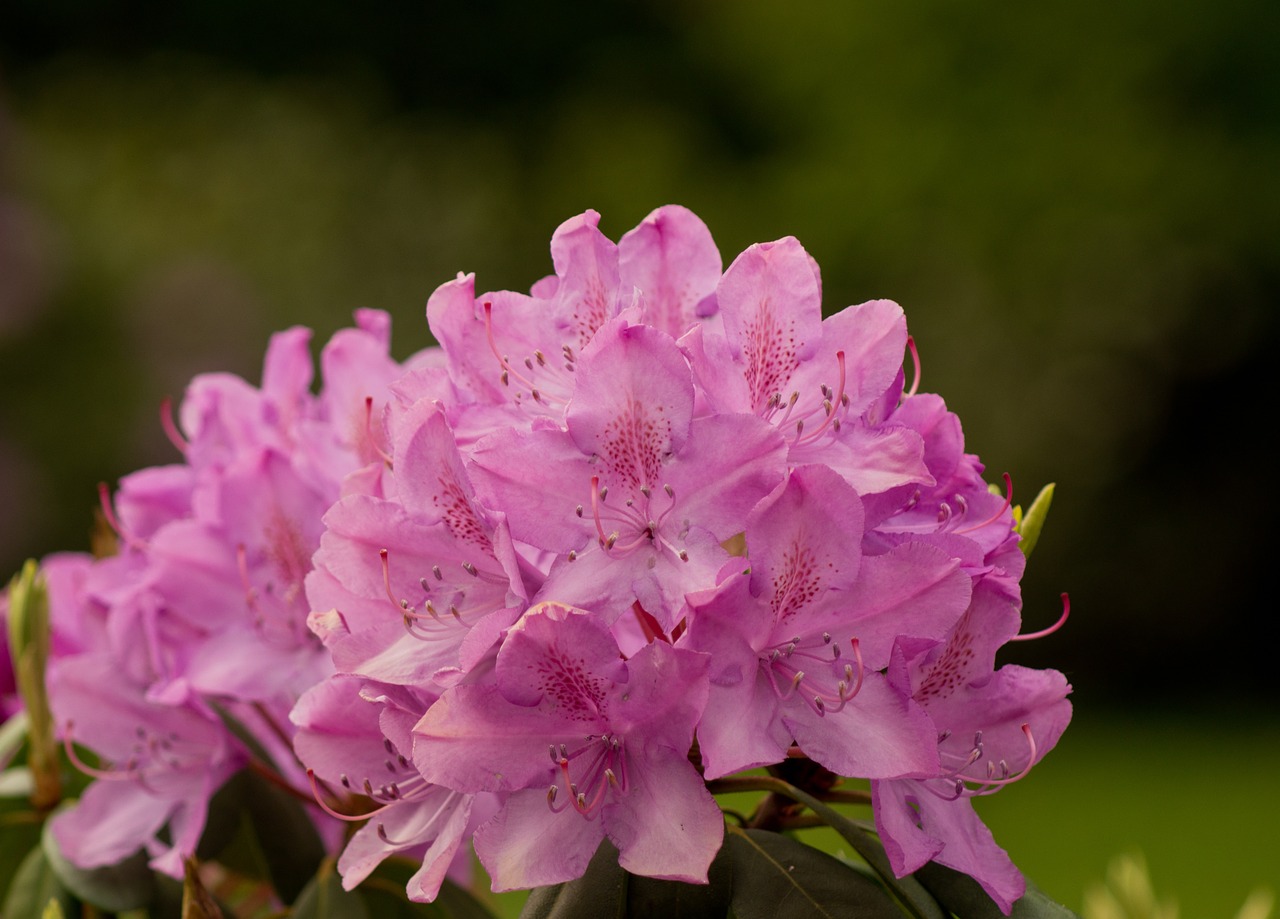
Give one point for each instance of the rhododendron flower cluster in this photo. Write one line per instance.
(656, 507)
(654, 523)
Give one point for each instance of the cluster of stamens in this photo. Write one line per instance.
(961, 783)
(403, 784)
(424, 623)
(540, 378)
(286, 625)
(599, 764)
(830, 410)
(635, 516)
(784, 662)
(150, 753)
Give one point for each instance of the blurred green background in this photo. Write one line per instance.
(1077, 203)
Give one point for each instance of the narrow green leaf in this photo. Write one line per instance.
(964, 897)
(197, 903)
(324, 898)
(777, 877)
(1033, 520)
(129, 884)
(35, 885)
(53, 910)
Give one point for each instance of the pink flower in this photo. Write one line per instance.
(583, 745)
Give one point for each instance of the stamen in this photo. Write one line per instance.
(171, 428)
(915, 360)
(104, 498)
(1008, 499)
(402, 606)
(828, 404)
(368, 432)
(508, 371)
(349, 818)
(1066, 612)
(107, 775)
(250, 592)
(598, 495)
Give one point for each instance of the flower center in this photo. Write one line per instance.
(588, 772)
(814, 669)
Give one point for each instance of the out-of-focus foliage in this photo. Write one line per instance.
(1076, 202)
(1129, 894)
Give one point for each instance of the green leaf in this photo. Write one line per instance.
(606, 889)
(677, 900)
(458, 903)
(777, 877)
(908, 890)
(19, 834)
(273, 835)
(324, 898)
(964, 897)
(599, 893)
(128, 884)
(35, 885)
(1032, 522)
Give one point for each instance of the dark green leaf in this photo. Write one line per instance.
(128, 884)
(19, 834)
(385, 896)
(908, 890)
(600, 893)
(608, 890)
(964, 897)
(324, 898)
(458, 903)
(776, 877)
(226, 811)
(288, 840)
(34, 884)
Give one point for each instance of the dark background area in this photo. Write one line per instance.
(1077, 205)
